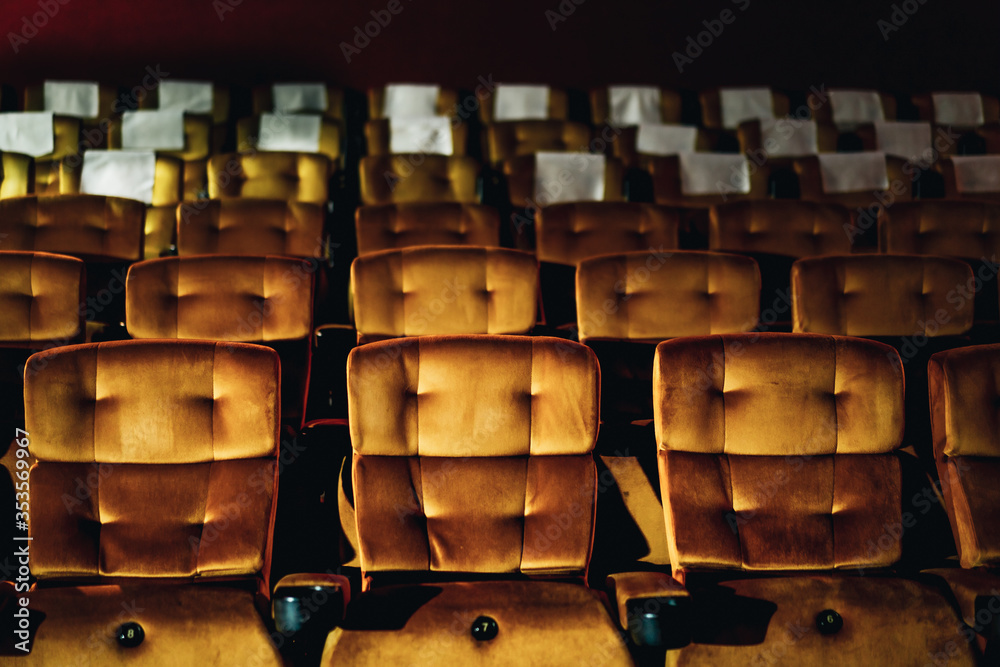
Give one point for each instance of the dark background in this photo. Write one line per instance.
(945, 44)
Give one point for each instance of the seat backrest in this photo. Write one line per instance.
(897, 184)
(776, 451)
(404, 225)
(882, 295)
(964, 386)
(168, 179)
(197, 138)
(291, 176)
(40, 298)
(461, 470)
(17, 178)
(445, 103)
(827, 108)
(107, 96)
(263, 98)
(92, 227)
(651, 296)
(444, 290)
(379, 137)
(556, 108)
(509, 139)
(176, 444)
(957, 109)
(527, 190)
(250, 227)
(220, 297)
(974, 177)
(330, 143)
(671, 106)
(418, 178)
(714, 117)
(726, 185)
(780, 227)
(570, 233)
(956, 228)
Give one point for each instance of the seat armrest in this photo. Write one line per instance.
(305, 607)
(653, 607)
(978, 595)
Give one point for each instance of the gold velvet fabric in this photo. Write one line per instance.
(40, 297)
(16, 179)
(540, 623)
(625, 586)
(263, 101)
(197, 138)
(168, 180)
(744, 487)
(947, 169)
(446, 103)
(509, 139)
(460, 470)
(403, 225)
(600, 109)
(184, 625)
(772, 621)
(330, 137)
(90, 226)
(219, 114)
(444, 290)
(107, 95)
(568, 233)
(520, 174)
(711, 107)
(558, 106)
(378, 137)
(179, 439)
(220, 297)
(964, 385)
(272, 175)
(811, 186)
(780, 227)
(250, 227)
(418, 178)
(880, 295)
(666, 174)
(66, 143)
(956, 228)
(643, 296)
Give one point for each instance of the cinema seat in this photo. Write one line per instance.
(419, 178)
(775, 234)
(724, 109)
(91, 128)
(961, 110)
(105, 232)
(217, 107)
(511, 139)
(527, 193)
(566, 234)
(462, 556)
(849, 108)
(167, 192)
(411, 100)
(515, 102)
(706, 179)
(975, 177)
(637, 146)
(622, 106)
(967, 230)
(261, 300)
(405, 225)
(66, 140)
(307, 97)
(331, 139)
(776, 525)
(962, 395)
(626, 304)
(132, 527)
(17, 176)
(379, 136)
(916, 303)
(301, 177)
(250, 227)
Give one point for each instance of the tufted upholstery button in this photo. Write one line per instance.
(484, 628)
(130, 634)
(829, 622)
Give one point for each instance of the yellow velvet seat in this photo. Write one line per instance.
(218, 115)
(711, 107)
(418, 178)
(66, 140)
(263, 299)
(509, 139)
(331, 139)
(964, 229)
(953, 190)
(173, 529)
(556, 108)
(668, 189)
(274, 175)
(378, 136)
(600, 106)
(16, 175)
(403, 225)
(93, 130)
(900, 179)
(445, 104)
(779, 476)
(822, 107)
(780, 227)
(250, 227)
(924, 102)
(435, 290)
(521, 186)
(262, 99)
(463, 475)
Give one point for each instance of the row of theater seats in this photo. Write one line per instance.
(783, 505)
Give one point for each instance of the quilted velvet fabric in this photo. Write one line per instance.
(403, 225)
(273, 175)
(40, 296)
(249, 227)
(407, 179)
(780, 227)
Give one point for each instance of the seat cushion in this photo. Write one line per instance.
(539, 623)
(183, 624)
(887, 621)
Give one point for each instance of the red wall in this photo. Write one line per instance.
(944, 44)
